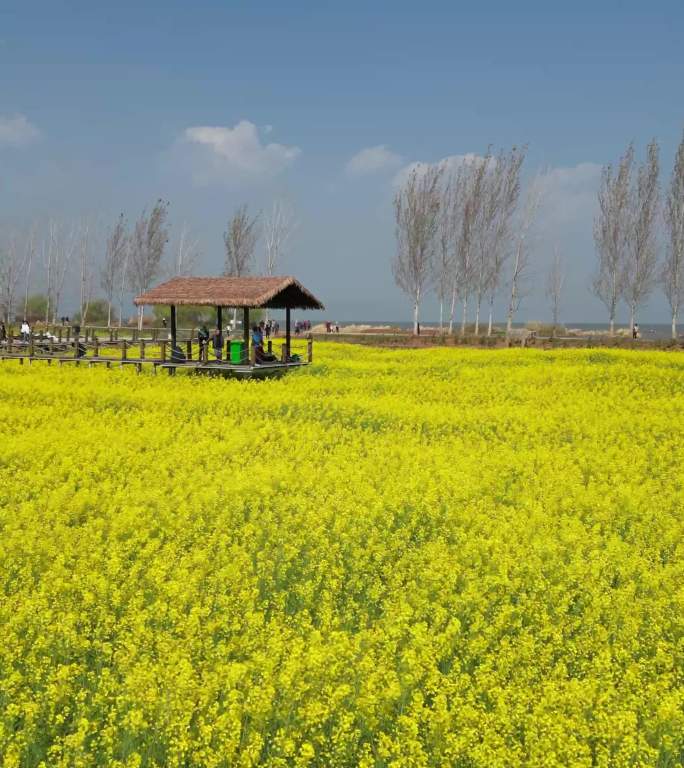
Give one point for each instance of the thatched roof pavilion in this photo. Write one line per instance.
(266, 292)
(246, 292)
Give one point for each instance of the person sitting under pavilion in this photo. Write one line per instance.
(258, 345)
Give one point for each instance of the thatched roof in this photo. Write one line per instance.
(271, 292)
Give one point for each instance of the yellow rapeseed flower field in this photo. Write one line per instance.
(394, 558)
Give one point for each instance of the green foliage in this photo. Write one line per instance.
(98, 312)
(35, 309)
(192, 317)
(186, 317)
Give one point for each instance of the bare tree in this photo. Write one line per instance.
(278, 227)
(555, 279)
(86, 240)
(672, 275)
(124, 277)
(641, 265)
(483, 230)
(11, 265)
(48, 248)
(416, 208)
(240, 241)
(454, 208)
(523, 245)
(611, 233)
(115, 253)
(507, 189)
(187, 253)
(473, 192)
(444, 263)
(148, 241)
(58, 250)
(30, 252)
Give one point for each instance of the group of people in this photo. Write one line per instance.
(302, 326)
(332, 327)
(215, 338)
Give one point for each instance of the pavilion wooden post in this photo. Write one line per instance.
(162, 351)
(188, 349)
(219, 327)
(174, 333)
(245, 330)
(309, 348)
(287, 331)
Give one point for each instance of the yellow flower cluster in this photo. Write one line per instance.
(392, 558)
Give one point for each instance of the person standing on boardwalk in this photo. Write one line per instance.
(203, 338)
(3, 331)
(25, 331)
(217, 342)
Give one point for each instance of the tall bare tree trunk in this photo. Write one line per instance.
(452, 311)
(464, 316)
(514, 288)
(491, 316)
(29, 264)
(48, 292)
(672, 272)
(477, 317)
(509, 319)
(416, 307)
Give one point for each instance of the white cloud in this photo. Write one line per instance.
(569, 195)
(17, 131)
(451, 162)
(372, 160)
(239, 150)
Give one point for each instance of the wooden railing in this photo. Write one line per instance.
(90, 348)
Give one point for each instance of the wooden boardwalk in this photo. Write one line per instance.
(124, 353)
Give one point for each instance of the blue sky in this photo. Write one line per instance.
(108, 105)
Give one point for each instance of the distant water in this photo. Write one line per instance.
(647, 330)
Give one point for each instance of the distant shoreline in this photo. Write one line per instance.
(647, 331)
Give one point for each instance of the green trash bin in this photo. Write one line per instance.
(237, 351)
